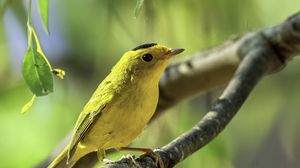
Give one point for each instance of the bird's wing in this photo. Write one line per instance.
(82, 127)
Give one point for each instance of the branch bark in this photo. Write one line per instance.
(244, 60)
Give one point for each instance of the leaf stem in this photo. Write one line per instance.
(29, 11)
(29, 31)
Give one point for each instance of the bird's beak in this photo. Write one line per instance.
(174, 52)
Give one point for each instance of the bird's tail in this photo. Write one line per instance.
(60, 160)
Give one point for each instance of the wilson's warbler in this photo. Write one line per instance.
(121, 106)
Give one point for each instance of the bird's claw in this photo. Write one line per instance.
(158, 161)
(107, 161)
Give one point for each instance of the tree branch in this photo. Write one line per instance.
(251, 56)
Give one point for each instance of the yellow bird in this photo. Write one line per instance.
(121, 106)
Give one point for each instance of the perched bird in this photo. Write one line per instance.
(121, 106)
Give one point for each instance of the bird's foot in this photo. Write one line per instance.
(131, 157)
(107, 161)
(148, 152)
(158, 160)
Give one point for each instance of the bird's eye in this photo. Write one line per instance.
(147, 57)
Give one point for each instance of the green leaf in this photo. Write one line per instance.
(26, 107)
(138, 6)
(37, 72)
(43, 6)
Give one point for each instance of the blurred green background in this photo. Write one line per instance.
(88, 37)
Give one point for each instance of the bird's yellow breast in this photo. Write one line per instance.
(125, 116)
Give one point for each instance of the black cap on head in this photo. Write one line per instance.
(147, 45)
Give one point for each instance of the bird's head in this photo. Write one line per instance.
(147, 60)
